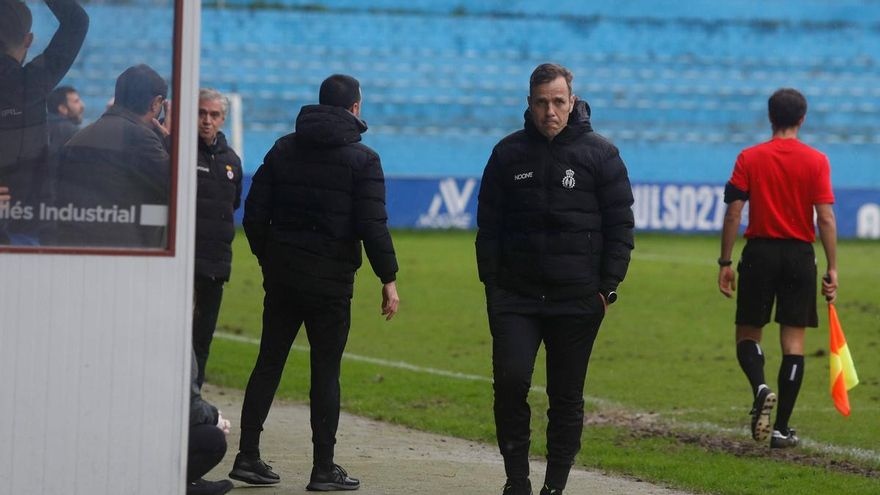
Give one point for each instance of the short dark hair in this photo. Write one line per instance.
(15, 23)
(136, 88)
(340, 90)
(545, 73)
(786, 107)
(57, 97)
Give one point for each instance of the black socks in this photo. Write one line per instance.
(751, 360)
(791, 374)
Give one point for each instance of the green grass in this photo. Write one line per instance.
(665, 348)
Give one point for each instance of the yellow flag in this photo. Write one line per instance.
(843, 372)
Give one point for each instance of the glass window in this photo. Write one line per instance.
(86, 159)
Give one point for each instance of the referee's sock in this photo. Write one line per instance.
(751, 360)
(791, 374)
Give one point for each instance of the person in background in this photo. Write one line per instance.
(785, 182)
(218, 195)
(24, 163)
(207, 442)
(114, 178)
(66, 111)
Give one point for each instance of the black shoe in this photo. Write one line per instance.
(203, 487)
(764, 402)
(334, 479)
(550, 491)
(780, 441)
(253, 470)
(517, 487)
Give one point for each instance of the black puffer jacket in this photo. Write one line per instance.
(555, 217)
(219, 195)
(317, 195)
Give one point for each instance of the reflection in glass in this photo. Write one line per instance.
(104, 184)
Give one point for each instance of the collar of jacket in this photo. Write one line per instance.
(328, 125)
(127, 114)
(218, 147)
(578, 123)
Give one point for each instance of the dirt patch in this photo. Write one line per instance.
(649, 425)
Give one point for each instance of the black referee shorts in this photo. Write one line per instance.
(783, 270)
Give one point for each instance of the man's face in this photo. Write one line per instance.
(550, 104)
(73, 109)
(211, 119)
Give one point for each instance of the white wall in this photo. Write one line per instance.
(95, 353)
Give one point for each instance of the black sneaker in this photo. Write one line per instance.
(764, 402)
(204, 487)
(253, 470)
(780, 441)
(517, 487)
(334, 479)
(550, 491)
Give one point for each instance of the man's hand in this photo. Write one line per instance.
(390, 301)
(829, 286)
(165, 127)
(727, 281)
(223, 423)
(4, 194)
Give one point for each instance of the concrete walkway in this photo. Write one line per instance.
(391, 459)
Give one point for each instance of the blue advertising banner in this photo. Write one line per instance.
(451, 203)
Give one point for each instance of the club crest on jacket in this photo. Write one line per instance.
(568, 180)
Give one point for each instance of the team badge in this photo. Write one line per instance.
(568, 180)
(229, 172)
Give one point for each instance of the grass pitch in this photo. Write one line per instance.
(666, 399)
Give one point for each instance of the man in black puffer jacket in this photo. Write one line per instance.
(554, 241)
(318, 194)
(219, 195)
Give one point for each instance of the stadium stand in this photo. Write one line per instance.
(680, 86)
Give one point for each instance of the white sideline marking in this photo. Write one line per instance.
(863, 454)
(404, 366)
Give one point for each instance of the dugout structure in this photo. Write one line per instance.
(95, 345)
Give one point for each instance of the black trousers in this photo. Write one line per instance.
(519, 325)
(207, 446)
(327, 322)
(208, 295)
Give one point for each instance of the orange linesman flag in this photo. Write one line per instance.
(843, 372)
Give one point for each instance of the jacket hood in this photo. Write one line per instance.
(328, 125)
(578, 121)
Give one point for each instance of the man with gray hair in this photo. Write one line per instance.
(218, 169)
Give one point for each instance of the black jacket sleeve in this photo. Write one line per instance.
(200, 411)
(62, 50)
(371, 218)
(258, 207)
(239, 174)
(489, 222)
(614, 193)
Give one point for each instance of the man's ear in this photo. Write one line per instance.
(29, 40)
(62, 109)
(355, 109)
